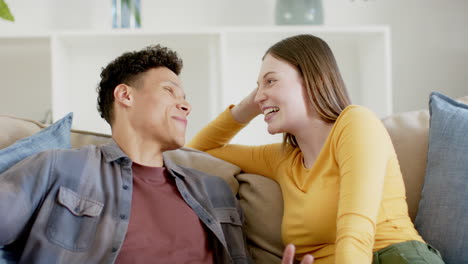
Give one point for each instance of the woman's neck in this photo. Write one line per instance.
(311, 140)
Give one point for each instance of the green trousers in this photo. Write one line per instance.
(410, 252)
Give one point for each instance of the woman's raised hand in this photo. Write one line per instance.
(247, 109)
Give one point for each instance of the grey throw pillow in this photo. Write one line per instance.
(442, 218)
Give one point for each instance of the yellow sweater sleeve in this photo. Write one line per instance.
(214, 139)
(363, 150)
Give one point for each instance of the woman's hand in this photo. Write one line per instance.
(288, 256)
(247, 109)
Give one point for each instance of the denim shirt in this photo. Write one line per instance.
(73, 206)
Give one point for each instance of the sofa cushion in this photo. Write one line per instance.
(14, 128)
(408, 132)
(262, 203)
(262, 256)
(442, 219)
(81, 138)
(53, 137)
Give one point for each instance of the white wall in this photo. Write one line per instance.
(429, 37)
(429, 44)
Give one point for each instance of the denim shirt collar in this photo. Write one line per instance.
(112, 152)
(169, 164)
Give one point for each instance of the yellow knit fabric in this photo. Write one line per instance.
(350, 203)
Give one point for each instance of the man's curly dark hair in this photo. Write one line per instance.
(127, 69)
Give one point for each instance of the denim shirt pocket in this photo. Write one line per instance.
(232, 228)
(73, 221)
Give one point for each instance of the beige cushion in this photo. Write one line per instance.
(262, 203)
(13, 129)
(261, 256)
(82, 138)
(409, 132)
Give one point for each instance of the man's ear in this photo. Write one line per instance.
(123, 94)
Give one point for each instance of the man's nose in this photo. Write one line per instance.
(185, 106)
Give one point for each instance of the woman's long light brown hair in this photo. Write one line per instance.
(315, 62)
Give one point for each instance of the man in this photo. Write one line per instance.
(124, 202)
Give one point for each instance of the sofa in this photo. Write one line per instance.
(260, 197)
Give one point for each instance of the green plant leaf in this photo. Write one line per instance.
(5, 11)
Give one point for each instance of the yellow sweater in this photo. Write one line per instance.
(350, 203)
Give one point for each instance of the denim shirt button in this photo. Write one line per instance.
(208, 220)
(122, 216)
(114, 249)
(125, 187)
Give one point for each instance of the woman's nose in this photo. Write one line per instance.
(259, 97)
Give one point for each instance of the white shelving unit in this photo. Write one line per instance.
(220, 68)
(25, 75)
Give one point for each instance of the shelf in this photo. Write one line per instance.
(26, 76)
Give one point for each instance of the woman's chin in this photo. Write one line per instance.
(273, 130)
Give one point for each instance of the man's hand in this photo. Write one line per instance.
(288, 256)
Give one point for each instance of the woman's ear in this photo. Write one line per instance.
(123, 95)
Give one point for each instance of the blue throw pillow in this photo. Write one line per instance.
(442, 218)
(56, 136)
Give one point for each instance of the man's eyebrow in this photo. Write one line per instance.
(174, 83)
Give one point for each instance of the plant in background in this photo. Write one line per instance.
(5, 11)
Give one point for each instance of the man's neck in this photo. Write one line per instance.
(138, 149)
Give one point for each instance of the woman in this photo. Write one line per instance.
(344, 196)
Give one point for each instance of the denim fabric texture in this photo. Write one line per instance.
(442, 218)
(56, 136)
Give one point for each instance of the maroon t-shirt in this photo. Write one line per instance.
(162, 228)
